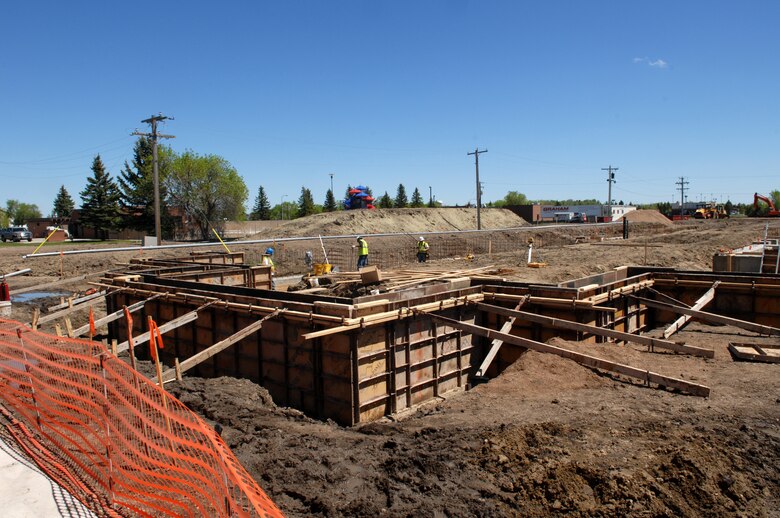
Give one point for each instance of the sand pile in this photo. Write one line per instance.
(648, 216)
(347, 222)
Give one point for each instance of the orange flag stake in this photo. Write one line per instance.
(92, 331)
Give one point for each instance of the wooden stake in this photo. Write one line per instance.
(35, 318)
(69, 327)
(113, 346)
(177, 367)
(58, 329)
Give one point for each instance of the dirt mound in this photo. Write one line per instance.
(379, 221)
(647, 216)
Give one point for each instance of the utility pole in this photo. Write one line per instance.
(682, 183)
(153, 120)
(610, 180)
(479, 186)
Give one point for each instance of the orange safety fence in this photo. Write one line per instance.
(118, 442)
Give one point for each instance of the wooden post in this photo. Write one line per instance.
(35, 318)
(69, 327)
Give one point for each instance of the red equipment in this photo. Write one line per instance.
(773, 212)
(5, 293)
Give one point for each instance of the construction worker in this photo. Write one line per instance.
(422, 250)
(362, 247)
(267, 260)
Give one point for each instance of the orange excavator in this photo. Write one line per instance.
(773, 212)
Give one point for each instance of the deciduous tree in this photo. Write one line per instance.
(208, 188)
(19, 212)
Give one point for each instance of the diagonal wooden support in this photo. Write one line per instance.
(496, 344)
(600, 331)
(172, 374)
(711, 317)
(116, 315)
(584, 359)
(702, 301)
(168, 326)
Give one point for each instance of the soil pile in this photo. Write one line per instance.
(346, 222)
(647, 216)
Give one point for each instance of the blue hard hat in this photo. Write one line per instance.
(269, 251)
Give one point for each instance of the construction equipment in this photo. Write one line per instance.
(773, 212)
(711, 211)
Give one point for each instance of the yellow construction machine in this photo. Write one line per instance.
(710, 211)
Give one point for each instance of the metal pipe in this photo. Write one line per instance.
(20, 272)
(529, 228)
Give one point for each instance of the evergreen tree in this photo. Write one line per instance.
(63, 204)
(136, 186)
(401, 201)
(330, 202)
(385, 202)
(431, 203)
(305, 203)
(100, 201)
(417, 200)
(262, 208)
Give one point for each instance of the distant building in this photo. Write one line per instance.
(547, 213)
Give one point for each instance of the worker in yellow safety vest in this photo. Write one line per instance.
(422, 250)
(362, 247)
(267, 260)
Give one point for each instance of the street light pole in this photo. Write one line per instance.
(331, 184)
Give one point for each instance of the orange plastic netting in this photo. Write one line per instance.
(114, 439)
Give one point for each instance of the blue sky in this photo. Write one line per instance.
(382, 93)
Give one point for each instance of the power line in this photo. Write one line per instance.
(476, 154)
(152, 121)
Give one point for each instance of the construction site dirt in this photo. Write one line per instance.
(546, 436)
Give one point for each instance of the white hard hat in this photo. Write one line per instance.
(421, 238)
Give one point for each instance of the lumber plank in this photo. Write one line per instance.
(116, 315)
(710, 317)
(164, 328)
(73, 302)
(584, 359)
(59, 282)
(600, 331)
(702, 301)
(189, 363)
(67, 311)
(496, 344)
